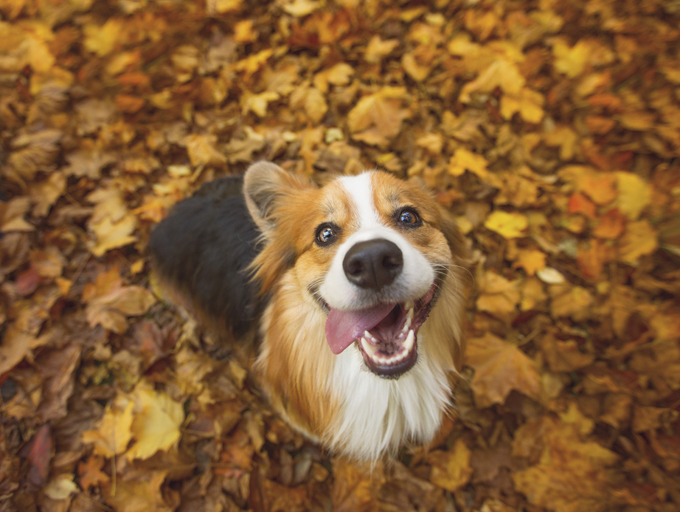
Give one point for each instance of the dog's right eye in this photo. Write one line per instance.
(326, 234)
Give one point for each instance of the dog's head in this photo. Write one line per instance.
(372, 251)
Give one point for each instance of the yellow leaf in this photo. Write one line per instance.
(415, 67)
(156, 422)
(573, 301)
(315, 105)
(531, 260)
(103, 40)
(111, 221)
(639, 239)
(497, 294)
(112, 434)
(465, 160)
(258, 103)
(60, 487)
(571, 61)
(451, 469)
(508, 225)
(634, 194)
(529, 105)
(377, 49)
(500, 367)
(501, 73)
(377, 118)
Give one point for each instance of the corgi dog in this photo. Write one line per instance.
(351, 291)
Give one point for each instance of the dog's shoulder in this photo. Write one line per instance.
(203, 249)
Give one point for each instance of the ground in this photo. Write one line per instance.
(551, 130)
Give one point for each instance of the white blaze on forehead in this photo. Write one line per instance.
(360, 190)
(417, 274)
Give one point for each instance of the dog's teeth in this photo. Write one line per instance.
(370, 349)
(408, 344)
(408, 305)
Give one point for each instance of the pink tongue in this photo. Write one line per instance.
(343, 327)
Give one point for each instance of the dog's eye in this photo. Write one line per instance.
(409, 218)
(326, 234)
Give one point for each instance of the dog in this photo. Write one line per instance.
(352, 292)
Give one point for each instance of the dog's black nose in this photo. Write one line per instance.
(373, 264)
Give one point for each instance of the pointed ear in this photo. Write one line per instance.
(265, 187)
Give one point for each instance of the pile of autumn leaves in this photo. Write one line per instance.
(457, 98)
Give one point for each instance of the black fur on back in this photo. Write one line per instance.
(203, 249)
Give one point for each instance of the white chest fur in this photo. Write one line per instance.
(378, 415)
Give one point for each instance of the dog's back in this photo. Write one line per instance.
(201, 253)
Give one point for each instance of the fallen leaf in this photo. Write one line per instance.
(377, 118)
(507, 224)
(156, 422)
(90, 474)
(465, 160)
(109, 302)
(634, 194)
(451, 470)
(113, 432)
(500, 367)
(639, 239)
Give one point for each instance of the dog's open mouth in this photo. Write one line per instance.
(386, 334)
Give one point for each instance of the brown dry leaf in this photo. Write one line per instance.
(451, 470)
(140, 494)
(600, 187)
(498, 295)
(111, 222)
(377, 118)
(564, 356)
(13, 213)
(355, 488)
(109, 302)
(202, 151)
(90, 472)
(45, 193)
(571, 474)
(500, 367)
(573, 301)
(610, 225)
(377, 49)
(103, 40)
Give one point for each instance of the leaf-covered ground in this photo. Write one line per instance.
(550, 128)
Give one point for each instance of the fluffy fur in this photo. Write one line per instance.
(201, 250)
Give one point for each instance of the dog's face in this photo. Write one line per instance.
(371, 250)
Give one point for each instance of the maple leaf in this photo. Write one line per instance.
(103, 40)
(355, 489)
(465, 160)
(156, 422)
(377, 118)
(451, 470)
(501, 73)
(500, 367)
(507, 224)
(571, 474)
(528, 103)
(109, 302)
(571, 61)
(531, 260)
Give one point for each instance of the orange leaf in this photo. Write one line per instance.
(500, 367)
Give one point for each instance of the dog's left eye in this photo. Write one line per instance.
(326, 234)
(408, 217)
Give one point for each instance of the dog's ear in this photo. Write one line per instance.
(265, 186)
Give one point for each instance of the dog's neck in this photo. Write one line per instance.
(336, 399)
